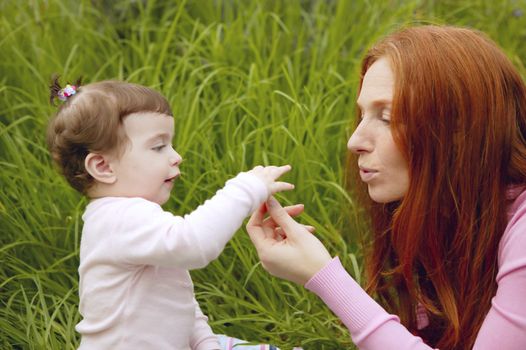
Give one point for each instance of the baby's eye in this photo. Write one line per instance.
(158, 148)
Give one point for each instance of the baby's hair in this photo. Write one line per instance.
(91, 121)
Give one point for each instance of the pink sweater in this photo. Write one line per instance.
(135, 289)
(372, 328)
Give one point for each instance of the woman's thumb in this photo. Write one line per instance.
(280, 216)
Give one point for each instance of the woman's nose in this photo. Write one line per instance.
(360, 140)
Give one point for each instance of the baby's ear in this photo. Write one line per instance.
(99, 167)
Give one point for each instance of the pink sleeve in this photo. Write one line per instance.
(202, 337)
(505, 325)
(372, 328)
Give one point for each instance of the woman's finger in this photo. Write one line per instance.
(255, 228)
(292, 210)
(279, 234)
(280, 215)
(256, 219)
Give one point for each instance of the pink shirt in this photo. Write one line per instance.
(372, 328)
(135, 289)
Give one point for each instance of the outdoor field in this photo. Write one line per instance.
(249, 82)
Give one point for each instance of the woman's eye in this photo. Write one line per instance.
(385, 117)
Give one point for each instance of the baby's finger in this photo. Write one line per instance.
(310, 228)
(280, 186)
(277, 171)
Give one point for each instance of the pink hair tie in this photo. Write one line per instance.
(67, 91)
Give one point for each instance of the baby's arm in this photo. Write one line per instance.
(151, 236)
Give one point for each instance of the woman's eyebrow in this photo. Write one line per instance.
(377, 103)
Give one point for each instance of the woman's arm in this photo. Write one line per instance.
(505, 324)
(370, 326)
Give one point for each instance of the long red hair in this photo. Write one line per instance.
(459, 118)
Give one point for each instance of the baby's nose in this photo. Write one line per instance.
(176, 158)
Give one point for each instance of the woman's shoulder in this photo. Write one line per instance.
(517, 206)
(512, 247)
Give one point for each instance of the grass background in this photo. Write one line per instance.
(249, 82)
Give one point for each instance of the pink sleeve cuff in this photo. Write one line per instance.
(356, 309)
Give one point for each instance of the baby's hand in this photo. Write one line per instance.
(269, 174)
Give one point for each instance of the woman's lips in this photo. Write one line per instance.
(367, 174)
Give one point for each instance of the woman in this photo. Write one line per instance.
(440, 147)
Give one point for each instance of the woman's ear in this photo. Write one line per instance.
(99, 167)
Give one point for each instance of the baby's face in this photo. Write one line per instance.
(149, 164)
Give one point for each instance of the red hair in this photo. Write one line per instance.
(459, 118)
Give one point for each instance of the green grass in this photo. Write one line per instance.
(249, 82)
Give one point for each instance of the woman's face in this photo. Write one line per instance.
(382, 166)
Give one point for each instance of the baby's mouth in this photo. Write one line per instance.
(172, 179)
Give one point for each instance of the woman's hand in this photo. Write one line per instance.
(286, 248)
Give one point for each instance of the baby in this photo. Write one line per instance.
(112, 141)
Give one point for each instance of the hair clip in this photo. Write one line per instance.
(56, 91)
(67, 91)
